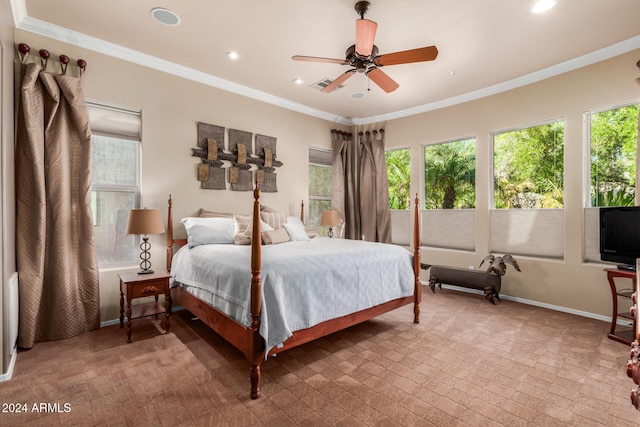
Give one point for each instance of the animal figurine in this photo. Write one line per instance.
(488, 281)
(498, 265)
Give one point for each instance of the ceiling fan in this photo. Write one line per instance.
(363, 56)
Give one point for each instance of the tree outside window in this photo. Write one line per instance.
(528, 166)
(613, 140)
(319, 194)
(450, 175)
(399, 176)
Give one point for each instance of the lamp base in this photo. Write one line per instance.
(145, 271)
(330, 233)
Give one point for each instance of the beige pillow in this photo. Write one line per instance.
(311, 232)
(274, 219)
(273, 237)
(203, 213)
(243, 229)
(241, 224)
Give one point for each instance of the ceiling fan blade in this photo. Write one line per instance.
(365, 36)
(380, 78)
(318, 59)
(421, 54)
(338, 81)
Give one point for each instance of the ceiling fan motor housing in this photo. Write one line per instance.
(361, 63)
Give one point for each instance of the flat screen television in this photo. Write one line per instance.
(620, 235)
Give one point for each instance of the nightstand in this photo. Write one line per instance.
(135, 285)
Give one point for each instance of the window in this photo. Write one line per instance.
(528, 167)
(320, 175)
(613, 139)
(115, 183)
(399, 176)
(450, 175)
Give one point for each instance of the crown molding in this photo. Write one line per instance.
(617, 49)
(36, 26)
(84, 41)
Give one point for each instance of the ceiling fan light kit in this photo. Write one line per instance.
(363, 56)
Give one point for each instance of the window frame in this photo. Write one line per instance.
(408, 148)
(492, 174)
(423, 177)
(586, 131)
(128, 189)
(318, 198)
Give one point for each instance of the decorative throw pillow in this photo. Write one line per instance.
(205, 231)
(243, 229)
(273, 237)
(296, 232)
(274, 219)
(203, 213)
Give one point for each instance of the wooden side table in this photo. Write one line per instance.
(135, 285)
(627, 335)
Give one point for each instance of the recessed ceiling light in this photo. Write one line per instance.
(543, 5)
(165, 16)
(357, 95)
(298, 81)
(233, 55)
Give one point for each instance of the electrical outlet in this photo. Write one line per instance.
(471, 267)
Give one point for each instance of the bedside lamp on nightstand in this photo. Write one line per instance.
(330, 219)
(145, 222)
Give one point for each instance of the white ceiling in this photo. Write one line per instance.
(490, 45)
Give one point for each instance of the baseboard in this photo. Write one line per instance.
(540, 304)
(7, 376)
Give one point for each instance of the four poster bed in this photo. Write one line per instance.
(269, 309)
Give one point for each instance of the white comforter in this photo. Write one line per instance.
(303, 283)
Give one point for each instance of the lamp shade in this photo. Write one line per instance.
(145, 221)
(330, 218)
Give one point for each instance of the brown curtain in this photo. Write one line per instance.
(360, 188)
(343, 182)
(375, 212)
(57, 266)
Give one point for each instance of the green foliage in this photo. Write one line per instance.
(614, 135)
(529, 167)
(320, 180)
(399, 176)
(450, 175)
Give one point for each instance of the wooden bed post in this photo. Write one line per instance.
(416, 262)
(257, 353)
(302, 211)
(169, 236)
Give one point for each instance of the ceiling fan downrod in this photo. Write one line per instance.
(362, 7)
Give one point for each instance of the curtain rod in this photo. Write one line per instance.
(24, 50)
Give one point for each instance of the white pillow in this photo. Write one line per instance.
(205, 231)
(296, 231)
(294, 220)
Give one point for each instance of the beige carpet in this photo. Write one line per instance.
(467, 363)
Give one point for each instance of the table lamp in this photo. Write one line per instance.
(330, 219)
(145, 221)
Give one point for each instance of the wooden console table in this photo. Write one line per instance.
(626, 335)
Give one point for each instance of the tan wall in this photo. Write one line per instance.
(569, 283)
(171, 107)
